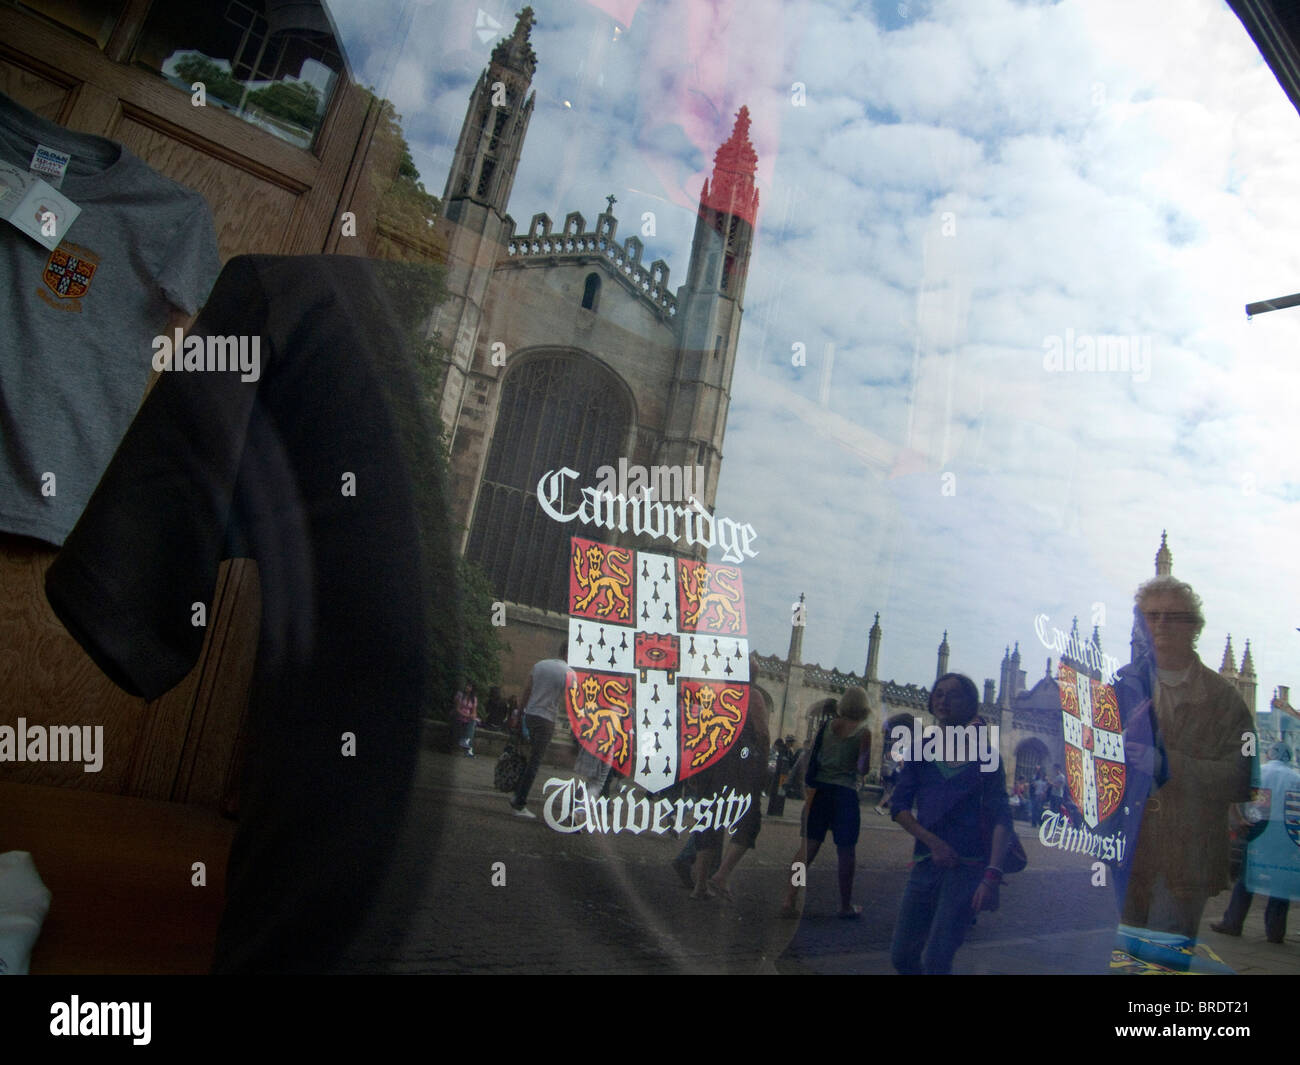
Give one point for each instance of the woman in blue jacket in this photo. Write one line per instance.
(955, 872)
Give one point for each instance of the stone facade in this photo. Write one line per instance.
(541, 320)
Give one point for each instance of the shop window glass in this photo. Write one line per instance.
(274, 64)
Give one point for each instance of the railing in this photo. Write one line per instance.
(650, 286)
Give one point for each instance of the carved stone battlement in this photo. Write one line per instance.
(576, 242)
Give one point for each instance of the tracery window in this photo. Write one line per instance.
(556, 410)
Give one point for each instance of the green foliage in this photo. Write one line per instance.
(295, 101)
(416, 290)
(465, 643)
(483, 646)
(217, 81)
(405, 203)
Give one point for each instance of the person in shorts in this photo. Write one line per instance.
(840, 754)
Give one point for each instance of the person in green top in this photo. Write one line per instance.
(841, 753)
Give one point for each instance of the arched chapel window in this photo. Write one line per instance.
(556, 410)
(591, 292)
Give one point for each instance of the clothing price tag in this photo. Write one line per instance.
(29, 203)
(50, 163)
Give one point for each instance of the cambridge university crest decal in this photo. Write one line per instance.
(657, 646)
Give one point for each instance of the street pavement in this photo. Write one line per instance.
(474, 888)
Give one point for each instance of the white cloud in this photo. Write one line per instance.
(1109, 168)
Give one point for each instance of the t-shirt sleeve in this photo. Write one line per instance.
(143, 557)
(191, 263)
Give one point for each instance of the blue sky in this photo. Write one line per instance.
(963, 182)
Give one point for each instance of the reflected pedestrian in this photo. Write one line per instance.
(955, 870)
(840, 754)
(1270, 866)
(465, 717)
(1187, 768)
(543, 695)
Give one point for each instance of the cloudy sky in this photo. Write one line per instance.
(960, 190)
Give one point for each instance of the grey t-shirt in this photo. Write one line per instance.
(549, 679)
(76, 344)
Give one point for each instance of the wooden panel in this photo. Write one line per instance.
(337, 147)
(34, 91)
(47, 679)
(155, 766)
(151, 750)
(358, 193)
(221, 699)
(119, 871)
(251, 215)
(127, 30)
(92, 110)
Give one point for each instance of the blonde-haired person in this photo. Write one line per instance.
(841, 753)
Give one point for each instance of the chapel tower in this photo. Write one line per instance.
(492, 136)
(711, 305)
(565, 351)
(474, 221)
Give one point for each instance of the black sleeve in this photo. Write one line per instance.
(147, 546)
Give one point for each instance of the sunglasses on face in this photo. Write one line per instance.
(1177, 617)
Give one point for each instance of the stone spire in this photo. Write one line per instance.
(943, 656)
(1164, 559)
(516, 51)
(731, 188)
(483, 169)
(795, 656)
(873, 649)
(1228, 667)
(1246, 682)
(1004, 687)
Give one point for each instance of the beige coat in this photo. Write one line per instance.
(1184, 834)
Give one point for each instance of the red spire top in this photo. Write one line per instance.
(731, 189)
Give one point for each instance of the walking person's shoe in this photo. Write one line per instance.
(1224, 929)
(523, 811)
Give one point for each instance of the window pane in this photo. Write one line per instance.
(273, 64)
